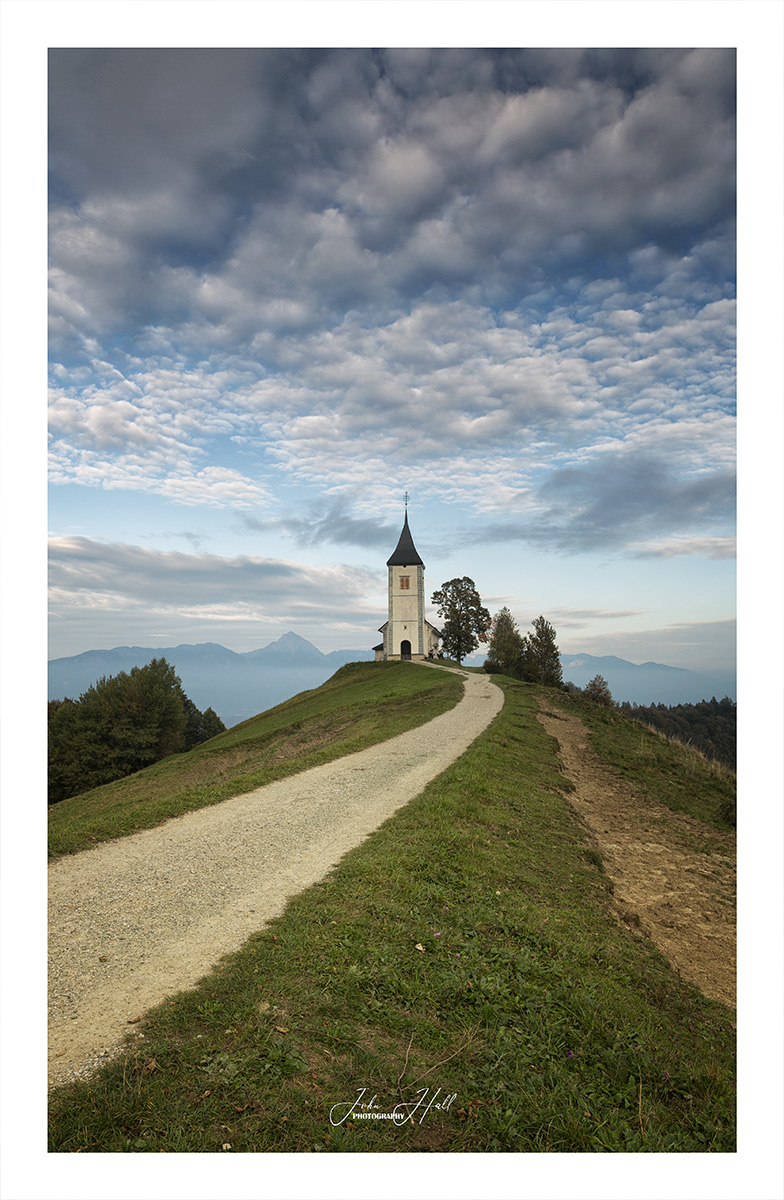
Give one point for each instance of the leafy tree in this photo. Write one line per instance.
(121, 724)
(465, 621)
(505, 645)
(599, 690)
(540, 660)
(64, 737)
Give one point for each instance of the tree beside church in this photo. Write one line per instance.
(466, 620)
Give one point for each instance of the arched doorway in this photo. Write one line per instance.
(405, 650)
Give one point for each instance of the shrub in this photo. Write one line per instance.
(598, 690)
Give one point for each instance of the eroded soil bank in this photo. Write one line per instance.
(673, 875)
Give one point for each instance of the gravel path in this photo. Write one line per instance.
(135, 920)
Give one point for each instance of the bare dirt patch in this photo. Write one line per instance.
(673, 876)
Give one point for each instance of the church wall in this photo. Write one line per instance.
(406, 610)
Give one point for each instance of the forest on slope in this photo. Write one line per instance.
(709, 726)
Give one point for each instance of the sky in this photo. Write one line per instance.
(288, 286)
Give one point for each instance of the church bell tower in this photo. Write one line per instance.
(407, 635)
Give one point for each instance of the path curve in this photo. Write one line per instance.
(135, 920)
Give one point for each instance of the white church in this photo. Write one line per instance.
(407, 635)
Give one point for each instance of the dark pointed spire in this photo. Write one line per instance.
(405, 554)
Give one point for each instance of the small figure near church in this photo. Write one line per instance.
(408, 636)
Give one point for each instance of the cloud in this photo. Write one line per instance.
(678, 547)
(582, 618)
(503, 279)
(622, 500)
(330, 523)
(316, 166)
(122, 578)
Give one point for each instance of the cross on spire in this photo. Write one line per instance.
(406, 500)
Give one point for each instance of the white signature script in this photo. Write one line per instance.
(368, 1109)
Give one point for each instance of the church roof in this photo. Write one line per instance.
(405, 554)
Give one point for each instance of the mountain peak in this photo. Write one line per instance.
(289, 647)
(292, 639)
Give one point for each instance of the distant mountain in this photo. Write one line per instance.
(649, 682)
(288, 650)
(238, 686)
(646, 683)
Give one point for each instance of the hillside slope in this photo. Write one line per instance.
(196, 887)
(468, 956)
(361, 704)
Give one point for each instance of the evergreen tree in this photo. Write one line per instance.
(505, 644)
(199, 726)
(540, 660)
(465, 621)
(211, 724)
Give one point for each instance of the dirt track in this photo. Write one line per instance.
(673, 875)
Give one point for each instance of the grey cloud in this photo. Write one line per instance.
(153, 597)
(618, 499)
(506, 164)
(121, 575)
(332, 523)
(580, 616)
(677, 547)
(621, 495)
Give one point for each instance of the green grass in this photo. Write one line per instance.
(363, 703)
(668, 771)
(468, 947)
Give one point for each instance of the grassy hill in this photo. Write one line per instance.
(466, 959)
(363, 703)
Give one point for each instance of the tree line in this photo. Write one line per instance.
(709, 726)
(533, 657)
(121, 724)
(466, 622)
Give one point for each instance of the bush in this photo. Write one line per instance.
(597, 689)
